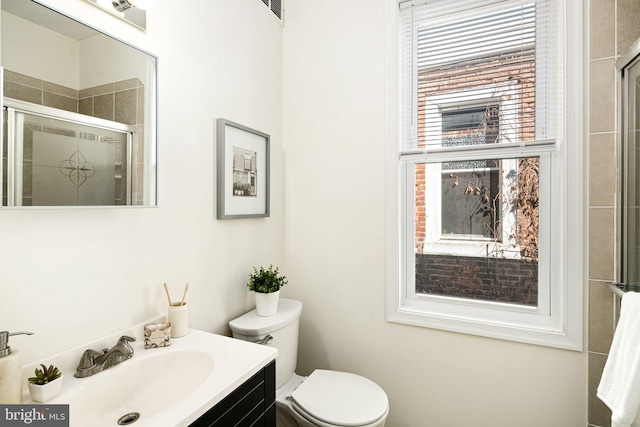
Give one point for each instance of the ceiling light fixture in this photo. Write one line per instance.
(130, 11)
(122, 5)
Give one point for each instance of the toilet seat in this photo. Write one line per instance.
(339, 399)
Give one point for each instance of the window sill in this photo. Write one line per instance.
(544, 332)
(484, 249)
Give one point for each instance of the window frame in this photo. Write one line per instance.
(557, 322)
(503, 94)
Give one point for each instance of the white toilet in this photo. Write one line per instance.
(324, 398)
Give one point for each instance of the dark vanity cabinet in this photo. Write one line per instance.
(252, 404)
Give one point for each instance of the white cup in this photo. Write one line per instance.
(179, 318)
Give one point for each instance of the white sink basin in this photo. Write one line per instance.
(170, 386)
(148, 385)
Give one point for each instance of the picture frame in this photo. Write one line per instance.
(242, 171)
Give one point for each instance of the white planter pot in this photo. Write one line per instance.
(267, 304)
(42, 393)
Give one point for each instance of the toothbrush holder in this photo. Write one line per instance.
(178, 316)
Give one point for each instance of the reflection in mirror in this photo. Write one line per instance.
(79, 113)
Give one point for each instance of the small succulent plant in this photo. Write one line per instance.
(45, 375)
(266, 281)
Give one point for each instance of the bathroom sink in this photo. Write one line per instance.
(165, 386)
(145, 385)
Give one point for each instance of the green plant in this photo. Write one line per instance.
(45, 375)
(266, 281)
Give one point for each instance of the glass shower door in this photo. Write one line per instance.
(630, 85)
(53, 161)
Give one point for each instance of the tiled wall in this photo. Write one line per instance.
(613, 28)
(121, 101)
(29, 89)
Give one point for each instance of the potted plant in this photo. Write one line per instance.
(266, 284)
(46, 384)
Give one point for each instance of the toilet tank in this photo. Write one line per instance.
(282, 326)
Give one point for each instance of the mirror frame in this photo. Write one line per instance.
(151, 189)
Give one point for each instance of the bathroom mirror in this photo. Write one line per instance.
(79, 108)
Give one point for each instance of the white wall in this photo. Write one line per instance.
(74, 275)
(334, 116)
(39, 52)
(104, 60)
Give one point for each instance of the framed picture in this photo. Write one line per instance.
(243, 171)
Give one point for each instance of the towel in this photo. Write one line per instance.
(619, 386)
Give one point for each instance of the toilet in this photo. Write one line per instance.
(324, 398)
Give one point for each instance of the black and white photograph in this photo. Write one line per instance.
(242, 172)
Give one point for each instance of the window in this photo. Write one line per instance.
(478, 216)
(486, 169)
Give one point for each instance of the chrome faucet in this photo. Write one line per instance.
(93, 361)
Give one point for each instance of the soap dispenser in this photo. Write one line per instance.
(10, 370)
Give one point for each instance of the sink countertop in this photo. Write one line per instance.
(242, 360)
(235, 361)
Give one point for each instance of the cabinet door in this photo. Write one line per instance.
(251, 404)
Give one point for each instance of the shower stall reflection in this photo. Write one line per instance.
(57, 158)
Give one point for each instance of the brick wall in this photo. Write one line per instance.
(491, 279)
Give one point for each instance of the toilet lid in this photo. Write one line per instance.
(341, 398)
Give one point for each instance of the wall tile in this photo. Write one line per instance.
(602, 95)
(137, 197)
(59, 101)
(140, 118)
(602, 21)
(103, 106)
(125, 106)
(22, 92)
(601, 241)
(599, 413)
(601, 322)
(102, 89)
(86, 93)
(12, 76)
(60, 90)
(628, 28)
(85, 106)
(127, 84)
(604, 169)
(137, 151)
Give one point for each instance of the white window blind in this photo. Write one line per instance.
(457, 53)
